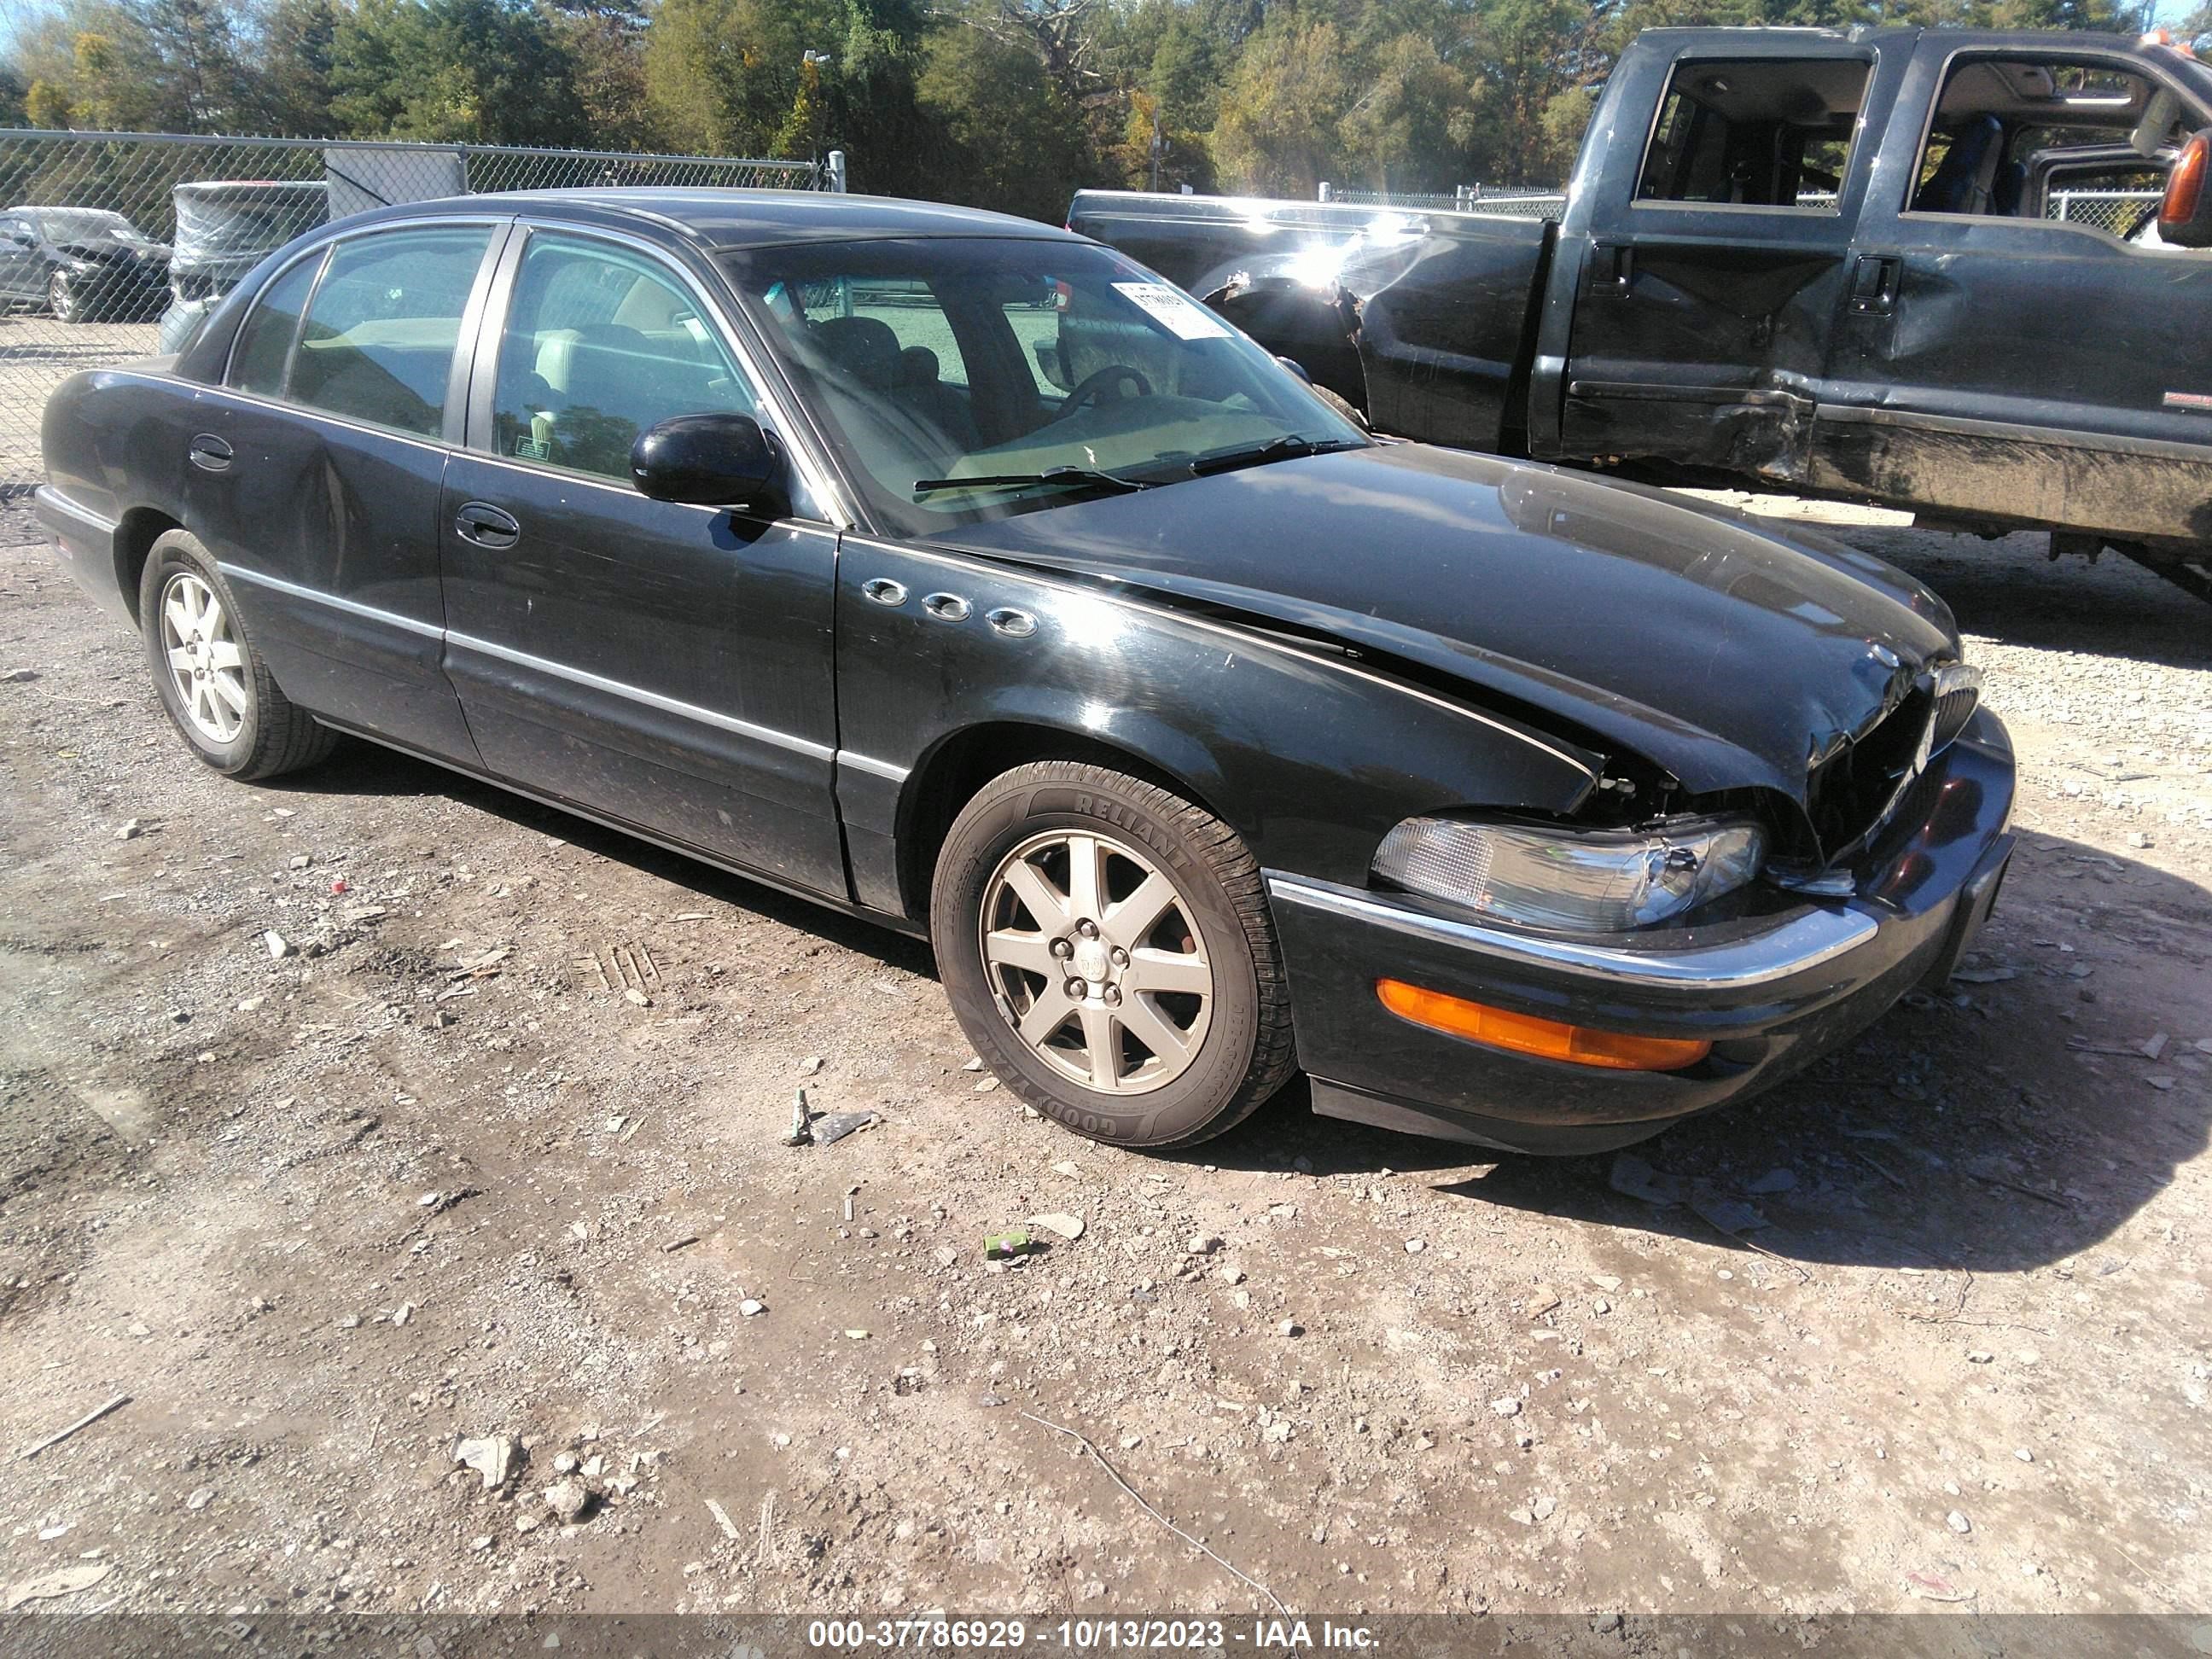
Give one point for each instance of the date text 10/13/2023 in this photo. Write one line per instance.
(1209, 1637)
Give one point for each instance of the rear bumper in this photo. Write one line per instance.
(84, 544)
(1772, 995)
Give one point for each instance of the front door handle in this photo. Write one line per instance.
(1875, 281)
(483, 525)
(209, 453)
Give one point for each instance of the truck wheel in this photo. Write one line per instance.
(1107, 948)
(218, 691)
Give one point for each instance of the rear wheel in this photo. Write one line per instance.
(218, 692)
(1107, 948)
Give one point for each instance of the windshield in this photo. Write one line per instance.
(971, 378)
(86, 225)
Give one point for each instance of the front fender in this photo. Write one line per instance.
(1311, 758)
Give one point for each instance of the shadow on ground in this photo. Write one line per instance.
(1987, 1128)
(2010, 590)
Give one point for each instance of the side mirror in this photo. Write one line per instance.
(2184, 217)
(1296, 367)
(717, 459)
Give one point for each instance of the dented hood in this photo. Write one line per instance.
(1733, 655)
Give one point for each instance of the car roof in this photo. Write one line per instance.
(745, 218)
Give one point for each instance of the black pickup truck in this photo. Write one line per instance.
(1800, 260)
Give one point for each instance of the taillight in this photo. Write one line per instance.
(2185, 185)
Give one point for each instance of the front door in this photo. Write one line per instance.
(662, 665)
(2024, 350)
(1708, 279)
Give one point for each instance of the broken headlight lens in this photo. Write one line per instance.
(1589, 881)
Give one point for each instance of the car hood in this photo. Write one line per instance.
(1733, 655)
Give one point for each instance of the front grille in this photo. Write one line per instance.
(1957, 694)
(1852, 793)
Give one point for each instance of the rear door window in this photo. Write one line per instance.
(1756, 132)
(381, 332)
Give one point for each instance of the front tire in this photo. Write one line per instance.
(61, 298)
(1107, 948)
(218, 692)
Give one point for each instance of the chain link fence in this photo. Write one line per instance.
(2119, 211)
(113, 244)
(1467, 198)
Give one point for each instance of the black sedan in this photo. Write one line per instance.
(962, 574)
(82, 264)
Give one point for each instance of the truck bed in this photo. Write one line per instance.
(1422, 319)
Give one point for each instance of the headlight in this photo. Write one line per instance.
(1598, 881)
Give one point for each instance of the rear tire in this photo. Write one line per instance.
(218, 692)
(1060, 875)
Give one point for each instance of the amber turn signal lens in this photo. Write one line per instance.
(2185, 184)
(1524, 1034)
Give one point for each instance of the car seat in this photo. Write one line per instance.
(1962, 180)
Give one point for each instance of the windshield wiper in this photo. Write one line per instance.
(1051, 477)
(1288, 447)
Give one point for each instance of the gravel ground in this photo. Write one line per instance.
(436, 1176)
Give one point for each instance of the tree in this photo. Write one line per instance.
(1012, 139)
(604, 45)
(296, 44)
(485, 71)
(47, 107)
(1410, 128)
(1278, 134)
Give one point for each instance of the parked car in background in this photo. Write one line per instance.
(1207, 738)
(82, 264)
(224, 228)
(1801, 260)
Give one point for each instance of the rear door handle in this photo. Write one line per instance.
(1875, 281)
(483, 525)
(1612, 268)
(209, 453)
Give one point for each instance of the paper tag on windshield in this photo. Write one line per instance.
(1183, 318)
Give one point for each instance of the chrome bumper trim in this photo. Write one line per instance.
(1805, 941)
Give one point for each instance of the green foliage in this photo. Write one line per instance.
(1011, 104)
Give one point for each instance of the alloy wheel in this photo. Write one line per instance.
(1095, 960)
(205, 659)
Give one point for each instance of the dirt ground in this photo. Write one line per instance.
(434, 1175)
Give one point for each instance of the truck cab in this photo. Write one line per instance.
(1915, 268)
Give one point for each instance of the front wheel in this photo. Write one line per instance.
(61, 298)
(1106, 946)
(218, 692)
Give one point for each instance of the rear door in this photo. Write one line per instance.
(313, 473)
(2008, 360)
(662, 665)
(1707, 257)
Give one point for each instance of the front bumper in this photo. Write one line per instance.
(1773, 995)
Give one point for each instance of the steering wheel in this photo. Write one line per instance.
(1087, 393)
